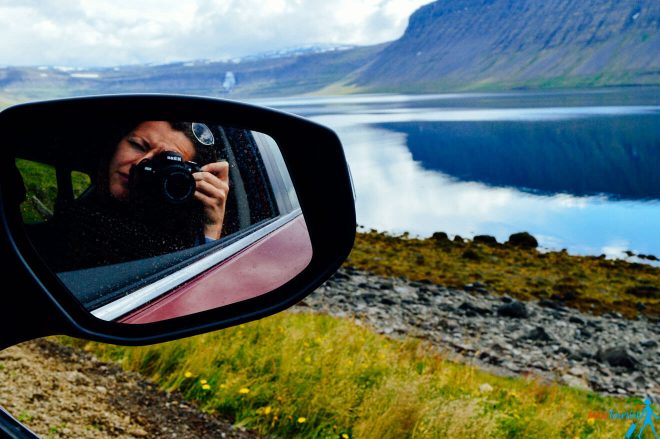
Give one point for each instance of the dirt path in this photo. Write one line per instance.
(61, 392)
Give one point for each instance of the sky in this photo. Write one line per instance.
(91, 33)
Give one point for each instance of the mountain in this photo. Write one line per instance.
(458, 44)
(449, 45)
(277, 74)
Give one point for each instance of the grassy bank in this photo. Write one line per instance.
(315, 376)
(589, 283)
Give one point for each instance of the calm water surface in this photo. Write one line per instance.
(578, 170)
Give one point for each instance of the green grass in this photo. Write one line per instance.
(315, 376)
(41, 188)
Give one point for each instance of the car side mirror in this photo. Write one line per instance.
(136, 219)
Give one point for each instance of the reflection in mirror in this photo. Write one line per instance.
(151, 220)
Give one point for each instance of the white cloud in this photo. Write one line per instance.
(113, 32)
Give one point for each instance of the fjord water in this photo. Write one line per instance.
(579, 170)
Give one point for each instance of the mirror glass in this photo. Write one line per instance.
(149, 220)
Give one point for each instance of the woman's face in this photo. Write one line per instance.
(145, 141)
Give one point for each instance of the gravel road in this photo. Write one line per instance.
(61, 392)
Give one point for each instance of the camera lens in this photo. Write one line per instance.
(178, 187)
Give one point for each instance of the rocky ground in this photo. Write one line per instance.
(608, 354)
(61, 392)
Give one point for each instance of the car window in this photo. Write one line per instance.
(260, 193)
(41, 186)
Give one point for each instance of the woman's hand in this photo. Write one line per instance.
(212, 189)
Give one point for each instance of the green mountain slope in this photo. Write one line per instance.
(462, 44)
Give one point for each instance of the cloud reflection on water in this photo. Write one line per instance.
(396, 194)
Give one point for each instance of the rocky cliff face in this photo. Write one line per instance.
(474, 43)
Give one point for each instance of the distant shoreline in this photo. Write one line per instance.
(517, 268)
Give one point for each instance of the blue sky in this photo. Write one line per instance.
(82, 33)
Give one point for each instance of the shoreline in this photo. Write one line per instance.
(516, 268)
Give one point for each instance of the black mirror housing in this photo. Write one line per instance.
(41, 304)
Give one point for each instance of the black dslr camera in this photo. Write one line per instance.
(164, 180)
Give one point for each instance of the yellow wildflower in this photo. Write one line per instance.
(267, 410)
(591, 421)
(202, 382)
(308, 360)
(345, 436)
(301, 420)
(244, 390)
(188, 374)
(206, 387)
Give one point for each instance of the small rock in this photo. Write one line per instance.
(485, 388)
(547, 303)
(76, 377)
(578, 371)
(101, 389)
(138, 432)
(576, 382)
(523, 240)
(367, 296)
(485, 239)
(440, 237)
(538, 334)
(472, 310)
(617, 357)
(575, 319)
(387, 301)
(478, 287)
(579, 355)
(511, 366)
(514, 309)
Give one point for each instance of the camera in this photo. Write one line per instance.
(166, 179)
